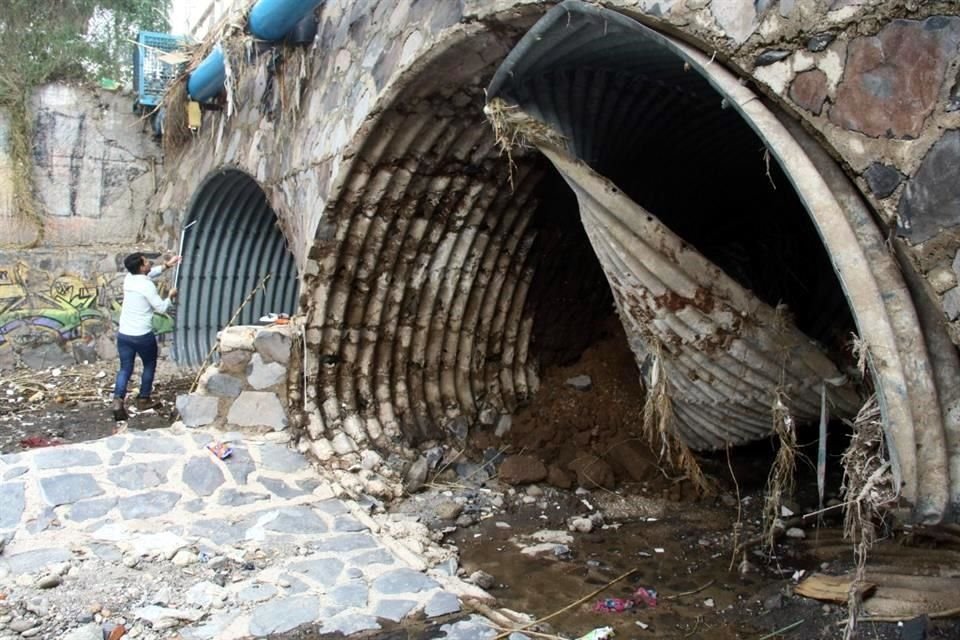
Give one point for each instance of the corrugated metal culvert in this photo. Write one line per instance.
(233, 245)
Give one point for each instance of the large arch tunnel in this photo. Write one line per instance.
(448, 272)
(231, 243)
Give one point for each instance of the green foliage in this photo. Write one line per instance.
(48, 40)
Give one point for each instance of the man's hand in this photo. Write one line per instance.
(173, 294)
(172, 262)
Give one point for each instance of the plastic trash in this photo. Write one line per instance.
(600, 633)
(613, 605)
(221, 450)
(646, 596)
(275, 318)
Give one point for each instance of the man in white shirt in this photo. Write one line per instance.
(135, 335)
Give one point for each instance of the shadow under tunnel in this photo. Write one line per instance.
(232, 242)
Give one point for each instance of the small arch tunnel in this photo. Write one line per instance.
(231, 243)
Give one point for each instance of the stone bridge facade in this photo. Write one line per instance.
(436, 274)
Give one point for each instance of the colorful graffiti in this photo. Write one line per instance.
(37, 308)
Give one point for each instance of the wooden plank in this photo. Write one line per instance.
(831, 588)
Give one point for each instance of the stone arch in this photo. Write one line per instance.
(232, 242)
(418, 294)
(574, 36)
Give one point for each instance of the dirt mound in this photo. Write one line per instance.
(585, 420)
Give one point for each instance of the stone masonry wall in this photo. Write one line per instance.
(248, 387)
(95, 167)
(332, 131)
(878, 82)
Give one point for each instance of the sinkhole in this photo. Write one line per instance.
(231, 243)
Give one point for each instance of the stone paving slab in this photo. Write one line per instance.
(163, 496)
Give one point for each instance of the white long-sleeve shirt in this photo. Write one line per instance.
(140, 302)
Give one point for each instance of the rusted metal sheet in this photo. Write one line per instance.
(726, 353)
(719, 349)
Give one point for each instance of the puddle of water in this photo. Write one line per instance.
(666, 557)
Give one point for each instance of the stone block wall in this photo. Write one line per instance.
(249, 387)
(95, 165)
(60, 307)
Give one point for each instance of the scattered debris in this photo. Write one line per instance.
(646, 596)
(600, 633)
(220, 449)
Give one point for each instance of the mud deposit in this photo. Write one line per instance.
(684, 556)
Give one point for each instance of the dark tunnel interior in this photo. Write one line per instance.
(569, 295)
(234, 244)
(626, 105)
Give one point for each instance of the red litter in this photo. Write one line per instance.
(613, 605)
(35, 442)
(647, 596)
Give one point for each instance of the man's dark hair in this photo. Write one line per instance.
(133, 261)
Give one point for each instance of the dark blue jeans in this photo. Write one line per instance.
(129, 347)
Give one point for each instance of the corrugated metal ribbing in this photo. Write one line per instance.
(425, 266)
(234, 243)
(690, 223)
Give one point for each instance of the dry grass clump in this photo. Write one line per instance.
(237, 46)
(868, 487)
(781, 480)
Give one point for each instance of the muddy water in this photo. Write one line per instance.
(685, 555)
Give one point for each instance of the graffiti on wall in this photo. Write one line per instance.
(38, 308)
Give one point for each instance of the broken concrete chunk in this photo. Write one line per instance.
(582, 382)
(233, 338)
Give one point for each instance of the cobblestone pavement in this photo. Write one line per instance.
(153, 531)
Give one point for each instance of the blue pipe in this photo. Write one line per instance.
(269, 20)
(273, 19)
(207, 79)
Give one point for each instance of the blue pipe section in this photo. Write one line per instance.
(273, 19)
(269, 20)
(207, 79)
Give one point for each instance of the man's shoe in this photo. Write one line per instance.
(145, 404)
(119, 411)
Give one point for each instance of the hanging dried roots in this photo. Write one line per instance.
(780, 481)
(229, 35)
(867, 488)
(176, 132)
(513, 129)
(658, 429)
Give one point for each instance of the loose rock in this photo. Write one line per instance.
(482, 579)
(448, 510)
(49, 582)
(522, 470)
